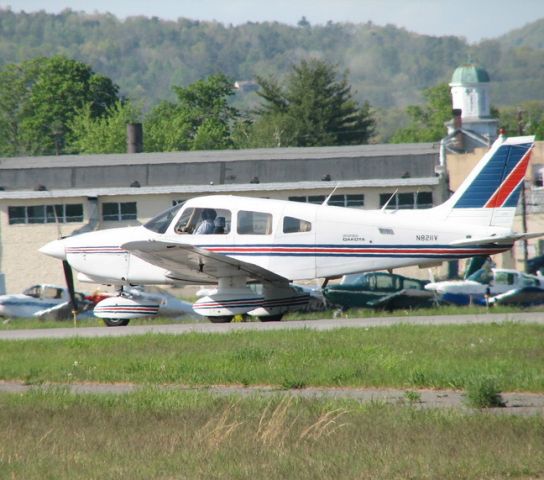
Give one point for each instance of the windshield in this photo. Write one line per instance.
(160, 222)
(483, 276)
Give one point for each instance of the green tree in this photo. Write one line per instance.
(102, 134)
(201, 118)
(40, 97)
(314, 107)
(525, 119)
(426, 123)
(14, 107)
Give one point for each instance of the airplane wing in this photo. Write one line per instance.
(407, 298)
(189, 263)
(496, 239)
(526, 296)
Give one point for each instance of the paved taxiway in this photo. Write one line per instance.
(206, 327)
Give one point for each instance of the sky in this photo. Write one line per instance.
(473, 19)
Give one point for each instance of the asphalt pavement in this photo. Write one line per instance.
(328, 324)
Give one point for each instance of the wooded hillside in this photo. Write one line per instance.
(388, 66)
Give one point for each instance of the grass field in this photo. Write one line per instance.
(401, 356)
(167, 435)
(170, 434)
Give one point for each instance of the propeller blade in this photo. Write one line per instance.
(69, 277)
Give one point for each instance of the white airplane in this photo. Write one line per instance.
(39, 301)
(46, 301)
(491, 285)
(275, 242)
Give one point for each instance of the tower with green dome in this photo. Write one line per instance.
(470, 95)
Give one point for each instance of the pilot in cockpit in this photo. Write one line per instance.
(207, 225)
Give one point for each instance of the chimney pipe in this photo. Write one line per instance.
(457, 126)
(135, 138)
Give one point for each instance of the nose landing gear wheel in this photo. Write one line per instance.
(116, 322)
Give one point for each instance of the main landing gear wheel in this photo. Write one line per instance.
(116, 322)
(221, 319)
(271, 318)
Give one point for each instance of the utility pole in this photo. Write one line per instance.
(523, 204)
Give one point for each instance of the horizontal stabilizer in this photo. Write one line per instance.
(496, 239)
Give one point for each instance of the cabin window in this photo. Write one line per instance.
(46, 214)
(504, 278)
(33, 291)
(528, 281)
(411, 284)
(254, 223)
(204, 221)
(295, 225)
(52, 293)
(118, 211)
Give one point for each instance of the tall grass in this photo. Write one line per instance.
(400, 356)
(163, 435)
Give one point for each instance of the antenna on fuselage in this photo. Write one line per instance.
(326, 201)
(389, 199)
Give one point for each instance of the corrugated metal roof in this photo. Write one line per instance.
(194, 190)
(204, 156)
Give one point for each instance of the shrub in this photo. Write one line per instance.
(483, 392)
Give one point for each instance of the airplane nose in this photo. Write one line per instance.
(54, 249)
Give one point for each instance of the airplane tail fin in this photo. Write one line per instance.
(490, 194)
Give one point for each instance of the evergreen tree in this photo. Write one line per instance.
(314, 107)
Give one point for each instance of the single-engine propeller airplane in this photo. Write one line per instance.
(230, 241)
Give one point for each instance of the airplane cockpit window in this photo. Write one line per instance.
(528, 281)
(295, 225)
(204, 221)
(33, 291)
(483, 276)
(504, 278)
(254, 223)
(159, 223)
(52, 293)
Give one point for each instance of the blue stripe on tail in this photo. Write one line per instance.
(491, 177)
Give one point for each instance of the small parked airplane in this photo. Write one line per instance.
(46, 301)
(489, 286)
(39, 301)
(275, 242)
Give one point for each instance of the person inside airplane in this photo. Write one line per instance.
(207, 226)
(219, 224)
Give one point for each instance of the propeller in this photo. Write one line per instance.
(69, 277)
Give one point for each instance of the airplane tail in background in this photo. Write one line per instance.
(490, 194)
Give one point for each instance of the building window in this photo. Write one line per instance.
(424, 200)
(118, 211)
(350, 200)
(407, 200)
(355, 200)
(72, 212)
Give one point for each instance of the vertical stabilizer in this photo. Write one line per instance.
(490, 194)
